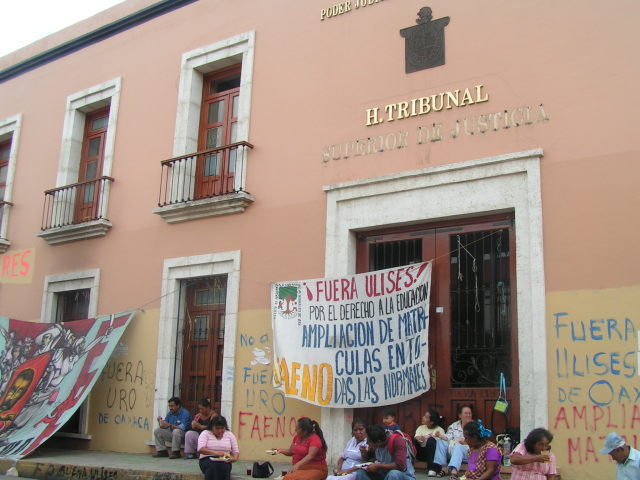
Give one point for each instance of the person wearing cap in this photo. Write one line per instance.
(627, 458)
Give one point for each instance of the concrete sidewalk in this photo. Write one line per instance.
(53, 464)
(65, 464)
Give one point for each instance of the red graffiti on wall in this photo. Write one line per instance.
(584, 448)
(255, 425)
(594, 418)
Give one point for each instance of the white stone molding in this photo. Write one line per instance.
(78, 105)
(64, 282)
(209, 207)
(172, 317)
(195, 65)
(9, 129)
(504, 183)
(78, 231)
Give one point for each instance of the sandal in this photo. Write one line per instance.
(441, 474)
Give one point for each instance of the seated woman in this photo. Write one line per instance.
(452, 445)
(484, 456)
(346, 468)
(201, 422)
(218, 449)
(309, 452)
(426, 439)
(532, 460)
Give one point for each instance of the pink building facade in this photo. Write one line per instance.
(178, 157)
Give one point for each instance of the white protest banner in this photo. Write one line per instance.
(359, 340)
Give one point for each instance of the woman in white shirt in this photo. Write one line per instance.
(346, 467)
(426, 439)
(452, 444)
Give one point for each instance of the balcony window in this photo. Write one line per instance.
(5, 150)
(77, 207)
(9, 134)
(207, 175)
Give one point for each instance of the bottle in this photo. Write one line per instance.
(506, 446)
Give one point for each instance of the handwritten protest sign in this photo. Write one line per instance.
(355, 340)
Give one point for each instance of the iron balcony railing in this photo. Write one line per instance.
(201, 175)
(76, 203)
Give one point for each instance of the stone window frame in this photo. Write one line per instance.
(195, 65)
(501, 183)
(64, 282)
(172, 302)
(9, 129)
(78, 105)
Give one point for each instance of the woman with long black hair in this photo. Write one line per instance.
(426, 440)
(308, 451)
(483, 455)
(352, 455)
(218, 449)
(532, 459)
(201, 422)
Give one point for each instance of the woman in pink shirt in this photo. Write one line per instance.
(308, 451)
(218, 449)
(532, 460)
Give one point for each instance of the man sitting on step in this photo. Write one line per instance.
(172, 428)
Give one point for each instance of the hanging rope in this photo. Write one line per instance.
(460, 246)
(474, 269)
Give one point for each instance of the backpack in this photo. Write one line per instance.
(411, 448)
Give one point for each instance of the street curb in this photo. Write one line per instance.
(59, 471)
(70, 467)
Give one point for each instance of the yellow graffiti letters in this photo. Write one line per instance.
(310, 382)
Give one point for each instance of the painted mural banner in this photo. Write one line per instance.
(354, 340)
(47, 372)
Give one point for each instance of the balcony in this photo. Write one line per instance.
(4, 208)
(204, 184)
(76, 212)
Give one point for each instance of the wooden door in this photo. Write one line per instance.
(472, 334)
(203, 342)
(215, 172)
(91, 160)
(379, 250)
